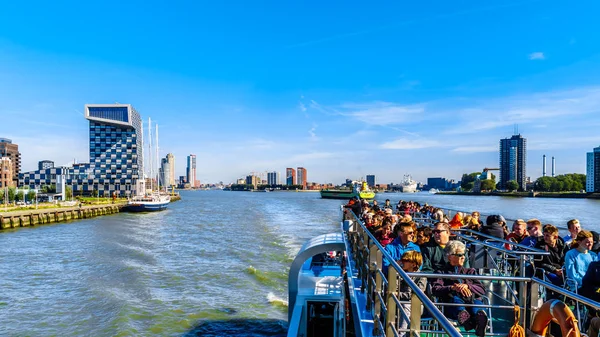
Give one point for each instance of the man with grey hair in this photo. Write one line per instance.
(461, 291)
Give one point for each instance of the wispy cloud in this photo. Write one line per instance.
(475, 149)
(537, 56)
(526, 109)
(382, 113)
(409, 144)
(313, 134)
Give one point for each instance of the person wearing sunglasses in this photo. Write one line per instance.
(434, 257)
(534, 230)
(404, 242)
(461, 291)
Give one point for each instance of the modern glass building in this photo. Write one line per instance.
(371, 180)
(592, 183)
(290, 176)
(191, 170)
(513, 160)
(302, 177)
(273, 178)
(116, 160)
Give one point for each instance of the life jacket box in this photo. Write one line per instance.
(482, 257)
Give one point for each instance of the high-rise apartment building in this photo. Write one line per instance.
(6, 174)
(116, 159)
(513, 161)
(11, 150)
(191, 170)
(290, 176)
(302, 177)
(592, 178)
(273, 178)
(371, 180)
(45, 164)
(171, 163)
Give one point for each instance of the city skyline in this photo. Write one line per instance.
(408, 89)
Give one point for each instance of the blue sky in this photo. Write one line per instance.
(342, 88)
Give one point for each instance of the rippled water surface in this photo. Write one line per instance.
(214, 257)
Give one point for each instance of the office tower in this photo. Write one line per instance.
(513, 159)
(302, 177)
(290, 176)
(165, 172)
(371, 180)
(45, 164)
(171, 161)
(191, 170)
(6, 175)
(11, 150)
(592, 179)
(273, 178)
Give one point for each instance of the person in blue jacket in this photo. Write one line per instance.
(402, 243)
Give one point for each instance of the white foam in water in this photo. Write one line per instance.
(273, 299)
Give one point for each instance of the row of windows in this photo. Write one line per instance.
(113, 113)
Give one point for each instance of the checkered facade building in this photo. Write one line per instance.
(116, 155)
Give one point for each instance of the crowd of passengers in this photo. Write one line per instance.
(572, 262)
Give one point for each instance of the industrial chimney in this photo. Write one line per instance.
(553, 166)
(544, 167)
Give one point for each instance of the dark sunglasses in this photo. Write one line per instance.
(409, 233)
(530, 228)
(459, 255)
(438, 230)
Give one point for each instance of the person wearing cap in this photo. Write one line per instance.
(494, 226)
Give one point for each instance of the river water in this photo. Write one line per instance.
(213, 264)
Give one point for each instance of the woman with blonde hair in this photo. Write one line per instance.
(578, 259)
(410, 262)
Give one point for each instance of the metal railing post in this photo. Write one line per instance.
(415, 315)
(390, 321)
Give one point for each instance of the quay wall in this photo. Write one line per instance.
(529, 194)
(36, 217)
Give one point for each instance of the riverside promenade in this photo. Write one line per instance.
(42, 216)
(33, 217)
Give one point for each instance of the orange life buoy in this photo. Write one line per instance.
(558, 311)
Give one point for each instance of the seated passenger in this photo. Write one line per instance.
(552, 264)
(578, 259)
(456, 221)
(384, 235)
(434, 257)
(534, 229)
(461, 291)
(401, 244)
(423, 235)
(518, 234)
(410, 262)
(574, 228)
(494, 226)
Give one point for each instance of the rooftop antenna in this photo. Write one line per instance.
(516, 129)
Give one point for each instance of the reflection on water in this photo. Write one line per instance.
(214, 257)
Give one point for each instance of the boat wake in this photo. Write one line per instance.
(276, 301)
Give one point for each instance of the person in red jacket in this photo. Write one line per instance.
(461, 291)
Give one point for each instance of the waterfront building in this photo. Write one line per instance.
(181, 181)
(302, 177)
(116, 156)
(191, 170)
(171, 162)
(371, 180)
(513, 159)
(290, 176)
(241, 181)
(11, 150)
(273, 178)
(45, 164)
(6, 174)
(165, 172)
(592, 179)
(252, 180)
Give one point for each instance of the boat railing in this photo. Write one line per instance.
(381, 291)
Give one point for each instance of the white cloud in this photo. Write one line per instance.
(475, 149)
(409, 144)
(537, 56)
(530, 109)
(382, 113)
(313, 135)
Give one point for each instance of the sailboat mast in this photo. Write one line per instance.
(157, 158)
(150, 151)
